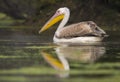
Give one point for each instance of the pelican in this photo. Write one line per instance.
(83, 32)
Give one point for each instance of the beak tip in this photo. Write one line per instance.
(39, 31)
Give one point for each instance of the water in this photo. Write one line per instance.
(34, 58)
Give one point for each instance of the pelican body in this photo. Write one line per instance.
(83, 32)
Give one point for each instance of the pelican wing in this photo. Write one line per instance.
(88, 28)
(75, 30)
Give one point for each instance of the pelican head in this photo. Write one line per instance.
(59, 15)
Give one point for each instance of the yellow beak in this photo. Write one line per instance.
(56, 18)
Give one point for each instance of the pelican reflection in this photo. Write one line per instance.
(64, 56)
(83, 54)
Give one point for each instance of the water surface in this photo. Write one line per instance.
(28, 57)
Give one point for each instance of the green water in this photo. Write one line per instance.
(28, 57)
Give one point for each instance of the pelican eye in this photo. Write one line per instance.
(58, 11)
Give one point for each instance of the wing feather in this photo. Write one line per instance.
(88, 28)
(75, 30)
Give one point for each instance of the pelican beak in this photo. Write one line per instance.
(56, 18)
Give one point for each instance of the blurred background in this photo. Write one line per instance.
(106, 13)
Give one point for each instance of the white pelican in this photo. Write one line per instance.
(83, 32)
